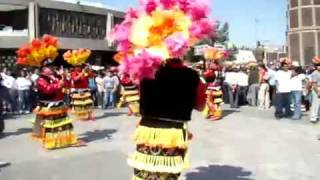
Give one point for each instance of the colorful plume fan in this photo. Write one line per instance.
(160, 30)
(214, 54)
(316, 60)
(38, 52)
(77, 57)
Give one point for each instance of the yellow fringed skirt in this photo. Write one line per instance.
(130, 97)
(213, 106)
(54, 127)
(81, 103)
(161, 151)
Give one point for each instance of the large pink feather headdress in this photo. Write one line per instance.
(159, 30)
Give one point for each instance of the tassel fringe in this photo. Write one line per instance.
(162, 164)
(165, 138)
(56, 123)
(59, 139)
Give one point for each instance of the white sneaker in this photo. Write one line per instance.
(313, 121)
(4, 163)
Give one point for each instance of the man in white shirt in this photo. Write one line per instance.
(243, 83)
(110, 89)
(231, 79)
(8, 91)
(282, 78)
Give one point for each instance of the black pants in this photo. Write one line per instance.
(233, 97)
(282, 103)
(272, 93)
(243, 91)
(1, 118)
(225, 93)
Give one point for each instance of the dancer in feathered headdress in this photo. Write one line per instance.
(151, 42)
(213, 77)
(81, 97)
(52, 124)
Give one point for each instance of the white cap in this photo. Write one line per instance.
(295, 64)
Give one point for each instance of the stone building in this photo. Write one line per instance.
(303, 30)
(76, 26)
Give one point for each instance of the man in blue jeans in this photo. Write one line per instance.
(282, 102)
(110, 88)
(297, 80)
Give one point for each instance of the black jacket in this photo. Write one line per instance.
(172, 94)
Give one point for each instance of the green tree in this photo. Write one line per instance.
(221, 36)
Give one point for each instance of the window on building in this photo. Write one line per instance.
(305, 2)
(13, 20)
(294, 46)
(68, 24)
(117, 20)
(308, 43)
(7, 58)
(317, 16)
(294, 19)
(307, 19)
(293, 3)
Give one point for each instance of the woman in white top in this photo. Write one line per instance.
(243, 82)
(23, 86)
(296, 85)
(100, 86)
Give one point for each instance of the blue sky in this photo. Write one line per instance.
(249, 20)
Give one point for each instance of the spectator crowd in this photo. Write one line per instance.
(19, 93)
(286, 86)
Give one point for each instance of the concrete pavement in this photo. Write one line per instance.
(246, 144)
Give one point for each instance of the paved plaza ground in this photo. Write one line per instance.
(247, 144)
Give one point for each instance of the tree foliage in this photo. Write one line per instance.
(220, 36)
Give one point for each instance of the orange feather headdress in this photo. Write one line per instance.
(77, 57)
(39, 52)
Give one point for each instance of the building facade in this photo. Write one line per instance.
(76, 26)
(303, 30)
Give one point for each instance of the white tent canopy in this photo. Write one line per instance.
(244, 56)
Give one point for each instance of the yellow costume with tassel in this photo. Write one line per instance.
(151, 41)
